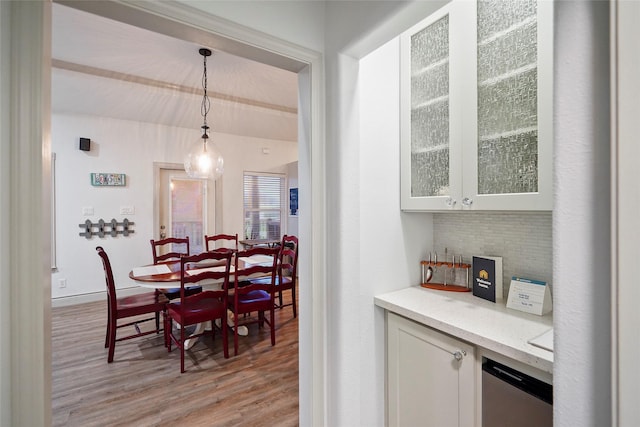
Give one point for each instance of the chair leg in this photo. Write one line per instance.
(293, 301)
(168, 332)
(225, 343)
(235, 336)
(112, 338)
(280, 299)
(272, 325)
(182, 349)
(106, 338)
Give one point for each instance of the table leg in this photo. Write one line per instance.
(190, 342)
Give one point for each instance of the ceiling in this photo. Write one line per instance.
(107, 68)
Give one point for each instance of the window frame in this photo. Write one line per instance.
(283, 201)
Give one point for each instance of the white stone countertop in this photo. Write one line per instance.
(492, 326)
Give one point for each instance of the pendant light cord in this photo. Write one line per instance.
(206, 104)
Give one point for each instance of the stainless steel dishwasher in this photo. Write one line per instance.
(513, 399)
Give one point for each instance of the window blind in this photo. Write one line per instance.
(263, 205)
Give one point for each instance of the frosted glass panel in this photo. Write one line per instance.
(507, 97)
(427, 178)
(510, 105)
(507, 54)
(509, 164)
(496, 16)
(430, 45)
(429, 85)
(430, 110)
(427, 130)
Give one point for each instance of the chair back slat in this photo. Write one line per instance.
(243, 272)
(174, 253)
(207, 266)
(229, 239)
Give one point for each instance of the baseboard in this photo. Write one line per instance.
(93, 296)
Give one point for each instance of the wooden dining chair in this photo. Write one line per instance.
(250, 297)
(227, 241)
(173, 253)
(206, 306)
(127, 307)
(287, 272)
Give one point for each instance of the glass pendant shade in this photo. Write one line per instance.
(204, 161)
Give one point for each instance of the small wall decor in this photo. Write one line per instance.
(293, 201)
(102, 228)
(108, 179)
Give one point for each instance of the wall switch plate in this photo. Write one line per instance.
(127, 210)
(87, 210)
(62, 283)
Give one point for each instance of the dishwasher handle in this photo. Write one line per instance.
(526, 383)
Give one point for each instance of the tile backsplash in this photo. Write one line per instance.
(522, 239)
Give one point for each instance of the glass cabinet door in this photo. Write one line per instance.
(513, 139)
(430, 114)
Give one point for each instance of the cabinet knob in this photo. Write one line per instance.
(467, 201)
(450, 202)
(459, 354)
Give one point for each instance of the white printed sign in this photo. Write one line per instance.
(530, 296)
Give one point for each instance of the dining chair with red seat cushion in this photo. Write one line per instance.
(287, 272)
(205, 306)
(127, 307)
(228, 241)
(254, 297)
(174, 253)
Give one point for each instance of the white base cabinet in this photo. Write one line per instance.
(431, 377)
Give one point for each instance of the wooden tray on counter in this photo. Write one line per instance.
(443, 287)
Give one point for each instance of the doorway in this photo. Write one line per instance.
(184, 206)
(310, 107)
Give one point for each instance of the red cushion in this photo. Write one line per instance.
(196, 311)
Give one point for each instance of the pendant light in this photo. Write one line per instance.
(204, 159)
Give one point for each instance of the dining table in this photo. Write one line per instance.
(250, 243)
(166, 275)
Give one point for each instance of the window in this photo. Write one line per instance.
(264, 205)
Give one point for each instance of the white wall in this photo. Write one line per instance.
(581, 220)
(121, 146)
(391, 243)
(372, 245)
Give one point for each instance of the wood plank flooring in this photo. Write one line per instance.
(143, 386)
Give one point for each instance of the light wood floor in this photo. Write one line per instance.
(143, 386)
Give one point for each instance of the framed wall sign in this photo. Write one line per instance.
(293, 201)
(108, 179)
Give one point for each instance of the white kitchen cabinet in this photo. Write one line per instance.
(476, 108)
(430, 376)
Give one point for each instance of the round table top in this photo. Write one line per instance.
(167, 274)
